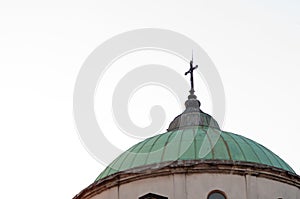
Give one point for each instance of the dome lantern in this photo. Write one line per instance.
(193, 115)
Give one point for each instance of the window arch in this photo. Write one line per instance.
(216, 194)
(152, 196)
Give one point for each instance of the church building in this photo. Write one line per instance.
(195, 159)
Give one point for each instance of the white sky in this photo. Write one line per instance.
(255, 46)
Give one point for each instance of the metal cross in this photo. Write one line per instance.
(191, 72)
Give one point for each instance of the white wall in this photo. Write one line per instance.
(197, 186)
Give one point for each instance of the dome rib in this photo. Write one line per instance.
(179, 154)
(140, 153)
(158, 137)
(251, 147)
(172, 146)
(279, 160)
(237, 146)
(227, 147)
(258, 146)
(187, 147)
(195, 144)
(165, 146)
(211, 146)
(274, 158)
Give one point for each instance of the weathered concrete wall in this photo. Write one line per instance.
(197, 186)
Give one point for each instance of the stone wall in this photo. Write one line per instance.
(198, 186)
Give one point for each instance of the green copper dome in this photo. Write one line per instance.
(196, 143)
(195, 135)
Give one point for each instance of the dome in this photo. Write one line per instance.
(195, 135)
(195, 159)
(195, 143)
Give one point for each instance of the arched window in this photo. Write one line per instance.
(152, 196)
(216, 194)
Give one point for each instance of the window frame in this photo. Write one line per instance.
(152, 195)
(217, 191)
